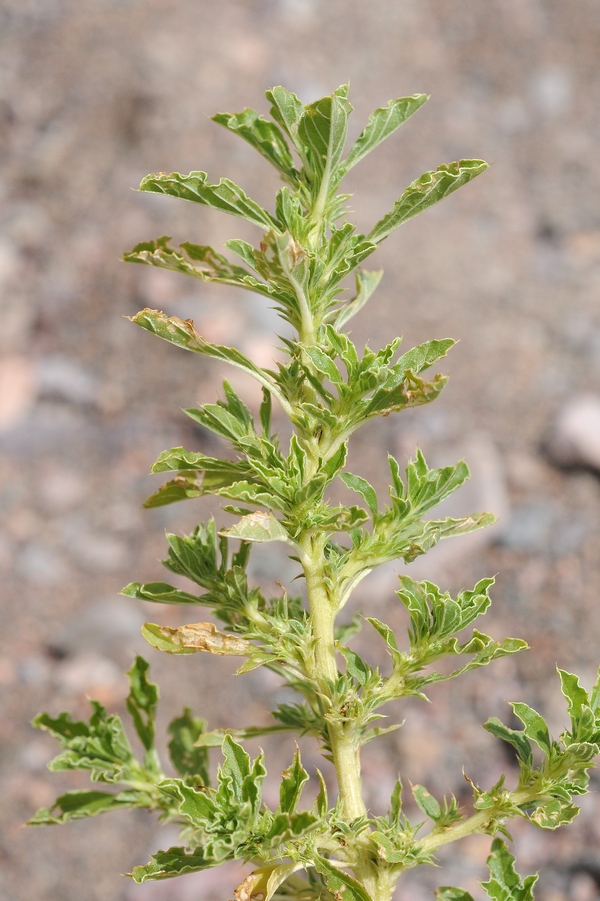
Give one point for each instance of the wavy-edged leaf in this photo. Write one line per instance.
(341, 885)
(323, 128)
(262, 883)
(292, 782)
(366, 283)
(77, 805)
(159, 593)
(426, 191)
(195, 637)
(258, 526)
(263, 135)
(142, 701)
(505, 884)
(514, 737)
(225, 196)
(424, 355)
(174, 862)
(286, 109)
(535, 725)
(202, 262)
(382, 123)
(188, 757)
(362, 487)
(178, 489)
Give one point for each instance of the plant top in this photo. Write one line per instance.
(334, 850)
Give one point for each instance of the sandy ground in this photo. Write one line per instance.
(96, 93)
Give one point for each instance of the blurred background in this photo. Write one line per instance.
(94, 94)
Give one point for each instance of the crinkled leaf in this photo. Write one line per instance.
(426, 802)
(382, 123)
(426, 191)
(262, 883)
(174, 862)
(178, 489)
(194, 637)
(263, 135)
(159, 593)
(450, 893)
(258, 526)
(225, 195)
(514, 737)
(364, 488)
(182, 333)
(291, 785)
(505, 884)
(340, 884)
(77, 805)
(141, 701)
(286, 109)
(188, 757)
(322, 130)
(366, 283)
(535, 725)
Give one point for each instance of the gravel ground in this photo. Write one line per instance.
(96, 93)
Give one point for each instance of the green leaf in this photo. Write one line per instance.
(535, 726)
(258, 526)
(174, 862)
(426, 191)
(450, 893)
(364, 488)
(263, 135)
(141, 701)
(340, 884)
(189, 759)
(514, 737)
(225, 195)
(195, 260)
(382, 123)
(505, 884)
(159, 593)
(424, 355)
(292, 781)
(576, 696)
(286, 109)
(178, 489)
(323, 128)
(426, 802)
(77, 805)
(366, 283)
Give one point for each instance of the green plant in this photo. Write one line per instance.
(328, 390)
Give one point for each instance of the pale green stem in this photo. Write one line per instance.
(342, 736)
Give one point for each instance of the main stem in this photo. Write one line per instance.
(342, 734)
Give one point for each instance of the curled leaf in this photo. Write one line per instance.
(194, 637)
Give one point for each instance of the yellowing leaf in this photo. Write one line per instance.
(194, 637)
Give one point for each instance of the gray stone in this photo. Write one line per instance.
(64, 379)
(103, 626)
(575, 436)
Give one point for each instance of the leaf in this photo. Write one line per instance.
(382, 123)
(213, 267)
(575, 694)
(225, 195)
(159, 593)
(514, 737)
(188, 758)
(426, 802)
(323, 128)
(292, 781)
(174, 862)
(505, 883)
(194, 637)
(262, 883)
(286, 109)
(364, 488)
(535, 726)
(342, 886)
(141, 701)
(450, 893)
(426, 191)
(258, 526)
(178, 489)
(263, 135)
(77, 805)
(424, 355)
(366, 283)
